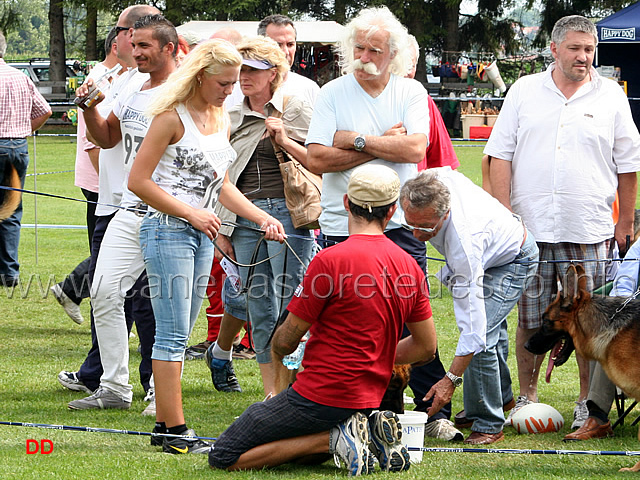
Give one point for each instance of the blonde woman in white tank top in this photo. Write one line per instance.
(180, 172)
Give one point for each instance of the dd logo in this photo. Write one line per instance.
(45, 447)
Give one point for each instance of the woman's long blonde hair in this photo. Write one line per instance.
(210, 57)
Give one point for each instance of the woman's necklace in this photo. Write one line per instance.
(199, 117)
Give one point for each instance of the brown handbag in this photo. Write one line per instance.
(302, 188)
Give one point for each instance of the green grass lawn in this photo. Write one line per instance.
(39, 340)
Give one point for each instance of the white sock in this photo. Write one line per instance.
(221, 354)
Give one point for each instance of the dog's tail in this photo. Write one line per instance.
(9, 199)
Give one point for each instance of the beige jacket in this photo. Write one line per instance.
(248, 127)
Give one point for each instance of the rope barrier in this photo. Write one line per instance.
(519, 451)
(524, 451)
(47, 173)
(98, 430)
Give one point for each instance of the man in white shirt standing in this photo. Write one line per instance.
(489, 257)
(281, 29)
(563, 144)
(111, 179)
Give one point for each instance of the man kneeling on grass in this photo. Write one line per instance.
(354, 300)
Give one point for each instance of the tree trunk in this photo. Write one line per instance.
(92, 51)
(340, 11)
(452, 15)
(415, 25)
(56, 45)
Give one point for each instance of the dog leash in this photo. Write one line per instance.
(629, 299)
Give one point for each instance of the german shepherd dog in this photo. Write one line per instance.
(605, 329)
(394, 395)
(9, 199)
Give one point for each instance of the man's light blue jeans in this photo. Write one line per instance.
(487, 381)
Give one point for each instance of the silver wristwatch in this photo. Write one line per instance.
(457, 381)
(359, 143)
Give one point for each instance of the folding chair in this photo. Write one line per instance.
(622, 413)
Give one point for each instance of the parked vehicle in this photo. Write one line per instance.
(37, 69)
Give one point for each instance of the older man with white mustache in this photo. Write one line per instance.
(373, 114)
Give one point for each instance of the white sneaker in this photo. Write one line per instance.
(443, 429)
(386, 445)
(580, 414)
(150, 411)
(521, 401)
(151, 408)
(349, 442)
(70, 308)
(100, 400)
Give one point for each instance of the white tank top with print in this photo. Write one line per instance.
(193, 169)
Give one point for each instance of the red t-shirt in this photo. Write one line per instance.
(357, 296)
(440, 152)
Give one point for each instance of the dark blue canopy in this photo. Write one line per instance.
(621, 27)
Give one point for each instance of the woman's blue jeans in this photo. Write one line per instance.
(178, 259)
(273, 281)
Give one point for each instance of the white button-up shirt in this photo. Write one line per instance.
(566, 155)
(478, 234)
(626, 281)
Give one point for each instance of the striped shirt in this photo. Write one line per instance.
(20, 102)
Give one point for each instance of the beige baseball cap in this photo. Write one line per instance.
(373, 186)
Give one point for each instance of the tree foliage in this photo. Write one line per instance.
(436, 24)
(27, 30)
(490, 30)
(181, 11)
(10, 18)
(553, 10)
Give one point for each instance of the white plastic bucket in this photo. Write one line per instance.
(413, 432)
(471, 120)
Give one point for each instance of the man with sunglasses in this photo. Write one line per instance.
(489, 255)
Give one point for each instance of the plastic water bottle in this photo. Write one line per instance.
(294, 359)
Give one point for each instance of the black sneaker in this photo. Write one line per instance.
(222, 374)
(196, 352)
(156, 441)
(386, 444)
(184, 444)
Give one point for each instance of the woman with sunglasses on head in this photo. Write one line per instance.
(265, 120)
(181, 173)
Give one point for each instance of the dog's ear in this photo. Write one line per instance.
(570, 287)
(582, 279)
(574, 286)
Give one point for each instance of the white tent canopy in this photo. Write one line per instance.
(308, 32)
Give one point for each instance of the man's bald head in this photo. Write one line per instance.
(132, 14)
(229, 34)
